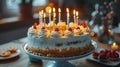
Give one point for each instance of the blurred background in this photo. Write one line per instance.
(16, 16)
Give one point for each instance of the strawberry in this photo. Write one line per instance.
(83, 24)
(70, 29)
(78, 28)
(56, 29)
(43, 28)
(95, 54)
(35, 25)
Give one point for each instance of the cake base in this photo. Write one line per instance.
(56, 61)
(63, 53)
(92, 46)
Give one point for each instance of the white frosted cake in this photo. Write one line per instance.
(59, 39)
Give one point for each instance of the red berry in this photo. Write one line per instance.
(115, 55)
(62, 20)
(43, 28)
(78, 28)
(56, 29)
(103, 55)
(35, 25)
(102, 51)
(95, 54)
(83, 24)
(70, 29)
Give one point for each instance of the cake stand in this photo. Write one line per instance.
(59, 61)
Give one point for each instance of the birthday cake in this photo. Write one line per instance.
(59, 39)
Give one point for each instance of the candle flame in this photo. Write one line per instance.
(53, 9)
(74, 12)
(67, 10)
(50, 10)
(59, 10)
(114, 43)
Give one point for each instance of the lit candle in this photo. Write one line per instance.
(49, 15)
(41, 18)
(54, 14)
(114, 46)
(74, 15)
(59, 16)
(44, 19)
(68, 15)
(77, 18)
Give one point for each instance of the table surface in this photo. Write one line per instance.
(23, 60)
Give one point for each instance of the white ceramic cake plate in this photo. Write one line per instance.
(60, 61)
(11, 56)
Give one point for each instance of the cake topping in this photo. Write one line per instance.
(56, 29)
(106, 55)
(62, 28)
(68, 32)
(83, 24)
(43, 28)
(78, 28)
(55, 32)
(70, 29)
(35, 25)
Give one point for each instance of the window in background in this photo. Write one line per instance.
(11, 7)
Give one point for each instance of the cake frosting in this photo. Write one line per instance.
(54, 38)
(60, 39)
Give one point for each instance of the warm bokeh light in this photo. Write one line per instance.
(59, 10)
(47, 9)
(114, 46)
(53, 9)
(74, 12)
(92, 34)
(67, 10)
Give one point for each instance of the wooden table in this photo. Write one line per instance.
(23, 60)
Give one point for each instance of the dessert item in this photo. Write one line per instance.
(106, 55)
(5, 53)
(56, 43)
(12, 51)
(103, 57)
(95, 55)
(113, 56)
(60, 39)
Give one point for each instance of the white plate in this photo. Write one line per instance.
(11, 56)
(110, 63)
